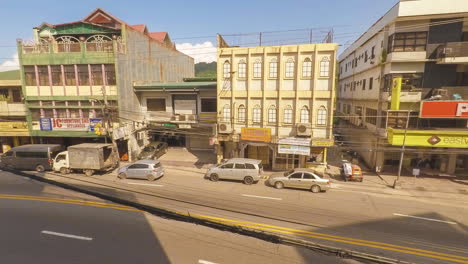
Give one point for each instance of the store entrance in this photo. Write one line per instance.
(171, 140)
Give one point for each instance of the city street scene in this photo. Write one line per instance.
(234, 133)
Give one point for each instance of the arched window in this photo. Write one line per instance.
(242, 69)
(307, 68)
(226, 113)
(273, 69)
(257, 114)
(257, 69)
(241, 113)
(289, 71)
(272, 114)
(324, 67)
(322, 116)
(305, 115)
(288, 115)
(227, 69)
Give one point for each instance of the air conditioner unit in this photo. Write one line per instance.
(141, 135)
(224, 128)
(303, 130)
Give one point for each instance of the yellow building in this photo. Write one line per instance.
(275, 103)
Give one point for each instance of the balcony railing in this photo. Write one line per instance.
(452, 49)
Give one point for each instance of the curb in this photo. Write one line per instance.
(262, 235)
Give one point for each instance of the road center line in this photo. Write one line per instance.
(146, 184)
(424, 218)
(261, 197)
(66, 235)
(201, 261)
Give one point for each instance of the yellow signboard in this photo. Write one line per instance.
(322, 143)
(256, 134)
(396, 91)
(429, 138)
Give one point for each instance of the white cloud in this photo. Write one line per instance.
(11, 64)
(201, 52)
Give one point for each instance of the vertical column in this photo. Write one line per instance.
(90, 78)
(54, 111)
(77, 80)
(67, 111)
(62, 70)
(36, 72)
(296, 85)
(49, 73)
(315, 74)
(279, 79)
(80, 110)
(452, 163)
(249, 108)
(266, 106)
(232, 88)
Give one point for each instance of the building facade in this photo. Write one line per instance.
(77, 79)
(13, 126)
(412, 60)
(275, 103)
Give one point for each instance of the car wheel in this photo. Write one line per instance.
(315, 189)
(214, 177)
(88, 172)
(63, 170)
(248, 180)
(150, 177)
(40, 168)
(279, 185)
(122, 176)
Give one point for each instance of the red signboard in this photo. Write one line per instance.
(444, 109)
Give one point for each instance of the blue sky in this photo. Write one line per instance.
(186, 21)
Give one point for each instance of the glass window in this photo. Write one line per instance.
(371, 116)
(110, 74)
(70, 78)
(305, 115)
(30, 75)
(257, 114)
(307, 68)
(96, 73)
(272, 114)
(156, 104)
(273, 69)
(288, 115)
(322, 116)
(83, 75)
(227, 112)
(9, 154)
(297, 175)
(241, 113)
(227, 166)
(138, 166)
(208, 105)
(408, 41)
(239, 166)
(371, 83)
(43, 75)
(227, 69)
(308, 176)
(60, 157)
(257, 69)
(56, 72)
(242, 69)
(249, 166)
(289, 73)
(364, 84)
(16, 95)
(324, 67)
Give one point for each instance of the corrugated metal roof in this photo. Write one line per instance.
(169, 86)
(10, 75)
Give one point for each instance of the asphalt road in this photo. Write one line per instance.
(398, 227)
(41, 223)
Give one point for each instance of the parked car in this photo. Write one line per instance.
(36, 157)
(153, 150)
(301, 179)
(142, 169)
(351, 172)
(246, 170)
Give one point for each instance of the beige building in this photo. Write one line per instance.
(275, 103)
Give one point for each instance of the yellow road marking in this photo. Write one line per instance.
(422, 252)
(69, 201)
(61, 199)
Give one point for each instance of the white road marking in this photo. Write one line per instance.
(261, 197)
(146, 184)
(201, 261)
(424, 218)
(66, 235)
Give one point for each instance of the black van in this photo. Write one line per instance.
(37, 157)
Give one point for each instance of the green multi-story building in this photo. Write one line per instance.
(77, 79)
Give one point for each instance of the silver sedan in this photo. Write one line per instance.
(301, 179)
(142, 169)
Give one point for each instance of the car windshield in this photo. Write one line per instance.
(288, 172)
(148, 149)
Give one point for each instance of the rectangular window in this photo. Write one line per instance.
(96, 73)
(257, 70)
(70, 78)
(43, 75)
(364, 84)
(409, 41)
(371, 116)
(324, 68)
(373, 52)
(226, 114)
(366, 56)
(241, 114)
(110, 74)
(272, 115)
(289, 73)
(242, 70)
(371, 83)
(288, 116)
(227, 70)
(273, 69)
(208, 105)
(156, 104)
(16, 95)
(56, 72)
(257, 115)
(30, 75)
(307, 68)
(83, 75)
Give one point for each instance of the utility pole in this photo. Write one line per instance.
(402, 154)
(260, 38)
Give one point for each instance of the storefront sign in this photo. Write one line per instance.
(444, 109)
(45, 123)
(95, 123)
(169, 125)
(293, 149)
(322, 143)
(429, 138)
(185, 126)
(256, 134)
(68, 124)
(294, 141)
